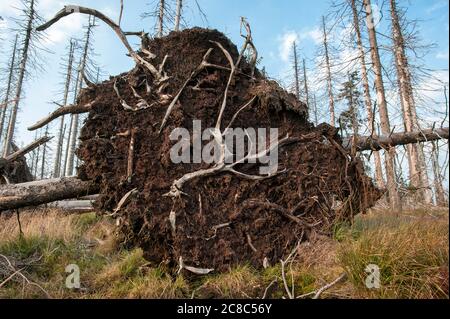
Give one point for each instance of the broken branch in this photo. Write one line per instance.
(69, 109)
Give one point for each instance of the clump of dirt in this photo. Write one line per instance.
(16, 171)
(222, 219)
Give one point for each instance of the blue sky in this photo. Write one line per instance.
(275, 25)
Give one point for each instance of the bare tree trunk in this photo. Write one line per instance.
(69, 134)
(44, 152)
(374, 142)
(42, 192)
(161, 18)
(305, 82)
(22, 71)
(367, 98)
(33, 155)
(71, 144)
(59, 145)
(441, 199)
(36, 162)
(178, 14)
(316, 118)
(66, 156)
(296, 75)
(74, 122)
(4, 109)
(328, 69)
(394, 197)
(417, 167)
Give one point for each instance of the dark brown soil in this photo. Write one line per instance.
(322, 185)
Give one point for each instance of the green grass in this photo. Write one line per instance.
(411, 251)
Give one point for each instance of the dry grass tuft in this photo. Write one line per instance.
(411, 250)
(411, 253)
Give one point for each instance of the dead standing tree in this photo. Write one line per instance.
(367, 97)
(60, 141)
(394, 197)
(417, 167)
(81, 77)
(296, 70)
(328, 72)
(178, 15)
(30, 43)
(9, 87)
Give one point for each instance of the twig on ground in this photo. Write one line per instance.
(328, 286)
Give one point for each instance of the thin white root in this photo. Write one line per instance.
(124, 200)
(175, 99)
(328, 286)
(195, 270)
(290, 258)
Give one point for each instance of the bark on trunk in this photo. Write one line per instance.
(367, 143)
(74, 122)
(6, 101)
(296, 79)
(178, 14)
(416, 159)
(367, 98)
(59, 144)
(328, 70)
(305, 80)
(394, 198)
(441, 199)
(42, 192)
(161, 18)
(22, 71)
(44, 153)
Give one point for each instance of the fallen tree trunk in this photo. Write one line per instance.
(74, 206)
(17, 154)
(376, 143)
(45, 191)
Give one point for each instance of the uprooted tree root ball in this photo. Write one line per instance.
(200, 217)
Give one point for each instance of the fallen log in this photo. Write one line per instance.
(44, 191)
(376, 143)
(73, 206)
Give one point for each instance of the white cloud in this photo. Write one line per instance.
(3, 24)
(60, 31)
(287, 39)
(443, 55)
(437, 6)
(432, 88)
(64, 29)
(8, 7)
(314, 34)
(286, 42)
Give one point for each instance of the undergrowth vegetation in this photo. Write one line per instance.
(410, 251)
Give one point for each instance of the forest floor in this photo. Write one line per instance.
(411, 251)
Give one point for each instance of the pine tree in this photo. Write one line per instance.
(350, 119)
